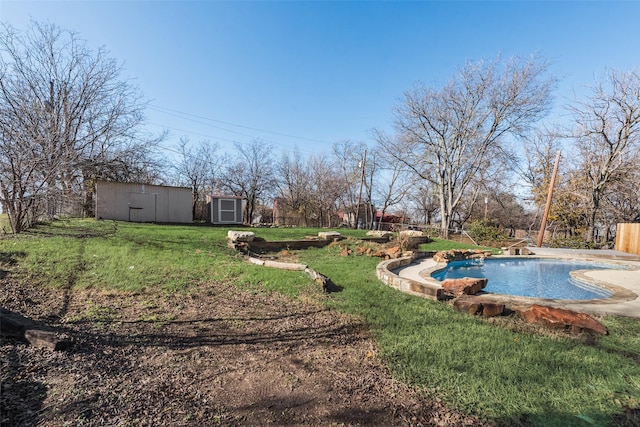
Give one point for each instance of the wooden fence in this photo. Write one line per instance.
(628, 238)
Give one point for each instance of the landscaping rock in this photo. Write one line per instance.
(329, 235)
(492, 308)
(393, 252)
(413, 238)
(459, 255)
(47, 339)
(327, 285)
(363, 250)
(39, 335)
(379, 233)
(240, 236)
(285, 265)
(563, 319)
(478, 306)
(256, 261)
(464, 286)
(468, 305)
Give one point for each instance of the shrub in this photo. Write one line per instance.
(482, 231)
(571, 242)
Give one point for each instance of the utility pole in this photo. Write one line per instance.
(364, 160)
(547, 207)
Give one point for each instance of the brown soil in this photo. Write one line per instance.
(216, 356)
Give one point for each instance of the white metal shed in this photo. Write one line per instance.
(125, 201)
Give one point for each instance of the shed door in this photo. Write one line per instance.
(142, 207)
(227, 210)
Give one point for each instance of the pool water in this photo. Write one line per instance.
(533, 277)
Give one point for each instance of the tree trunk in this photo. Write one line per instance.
(591, 232)
(445, 217)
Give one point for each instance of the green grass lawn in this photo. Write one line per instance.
(479, 367)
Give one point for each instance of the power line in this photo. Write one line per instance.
(178, 113)
(193, 133)
(276, 143)
(235, 141)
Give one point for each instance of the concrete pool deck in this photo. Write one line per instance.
(624, 283)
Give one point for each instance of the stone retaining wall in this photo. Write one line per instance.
(258, 246)
(275, 246)
(425, 290)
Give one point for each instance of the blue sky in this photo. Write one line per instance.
(308, 74)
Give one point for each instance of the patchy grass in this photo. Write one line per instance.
(498, 373)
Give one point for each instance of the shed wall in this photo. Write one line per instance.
(143, 203)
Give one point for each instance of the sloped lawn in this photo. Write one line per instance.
(171, 326)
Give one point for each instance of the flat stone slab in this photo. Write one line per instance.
(329, 235)
(379, 233)
(285, 265)
(240, 236)
(412, 233)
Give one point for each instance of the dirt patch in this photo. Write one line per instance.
(216, 356)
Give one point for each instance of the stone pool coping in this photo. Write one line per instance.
(624, 283)
(412, 284)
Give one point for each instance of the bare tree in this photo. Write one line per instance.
(308, 190)
(294, 188)
(540, 150)
(395, 183)
(447, 136)
(349, 156)
(65, 116)
(327, 189)
(607, 137)
(425, 202)
(198, 168)
(251, 175)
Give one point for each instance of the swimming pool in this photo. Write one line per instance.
(531, 277)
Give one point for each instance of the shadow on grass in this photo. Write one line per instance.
(331, 287)
(628, 418)
(11, 258)
(72, 229)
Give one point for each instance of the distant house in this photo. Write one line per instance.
(124, 201)
(387, 220)
(224, 209)
(364, 217)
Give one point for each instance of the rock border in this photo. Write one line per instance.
(463, 301)
(324, 238)
(485, 305)
(425, 290)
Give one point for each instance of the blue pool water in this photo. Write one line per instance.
(533, 277)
